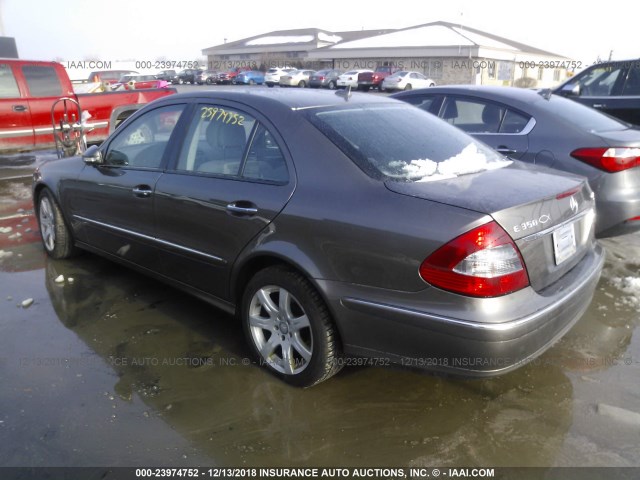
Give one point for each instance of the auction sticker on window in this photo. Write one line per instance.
(564, 242)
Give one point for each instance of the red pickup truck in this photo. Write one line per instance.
(367, 80)
(28, 90)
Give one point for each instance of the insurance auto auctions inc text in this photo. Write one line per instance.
(377, 473)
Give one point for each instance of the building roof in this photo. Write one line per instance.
(429, 39)
(297, 39)
(437, 34)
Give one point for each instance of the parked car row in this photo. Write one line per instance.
(384, 78)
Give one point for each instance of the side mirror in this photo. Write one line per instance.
(93, 156)
(570, 90)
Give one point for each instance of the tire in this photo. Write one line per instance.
(270, 85)
(364, 88)
(382, 89)
(252, 81)
(209, 81)
(302, 84)
(408, 86)
(289, 328)
(56, 236)
(180, 81)
(332, 85)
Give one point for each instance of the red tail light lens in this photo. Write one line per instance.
(609, 159)
(484, 262)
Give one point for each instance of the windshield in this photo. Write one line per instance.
(404, 143)
(584, 117)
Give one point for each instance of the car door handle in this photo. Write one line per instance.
(599, 105)
(242, 208)
(505, 150)
(142, 191)
(19, 108)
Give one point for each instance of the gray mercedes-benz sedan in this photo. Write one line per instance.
(334, 226)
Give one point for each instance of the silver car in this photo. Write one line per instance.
(546, 129)
(296, 78)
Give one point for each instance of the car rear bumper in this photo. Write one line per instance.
(617, 202)
(484, 337)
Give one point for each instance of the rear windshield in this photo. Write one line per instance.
(403, 143)
(584, 117)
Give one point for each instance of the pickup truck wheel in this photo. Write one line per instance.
(270, 85)
(56, 236)
(364, 88)
(289, 327)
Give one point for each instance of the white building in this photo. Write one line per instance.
(446, 52)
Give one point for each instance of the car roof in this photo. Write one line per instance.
(294, 99)
(510, 95)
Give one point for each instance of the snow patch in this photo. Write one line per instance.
(630, 286)
(483, 41)
(469, 160)
(323, 37)
(428, 36)
(280, 39)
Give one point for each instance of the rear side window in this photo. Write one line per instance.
(584, 117)
(228, 142)
(42, 81)
(473, 116)
(423, 102)
(403, 143)
(8, 84)
(476, 116)
(514, 122)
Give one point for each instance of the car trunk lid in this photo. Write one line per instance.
(549, 215)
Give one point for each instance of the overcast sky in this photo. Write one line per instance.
(75, 30)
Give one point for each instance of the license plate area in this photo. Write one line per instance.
(564, 242)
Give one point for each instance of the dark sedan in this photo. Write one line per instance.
(188, 75)
(414, 244)
(325, 79)
(546, 129)
(611, 87)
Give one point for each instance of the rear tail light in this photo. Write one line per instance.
(484, 262)
(615, 159)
